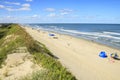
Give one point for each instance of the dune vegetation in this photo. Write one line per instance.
(12, 36)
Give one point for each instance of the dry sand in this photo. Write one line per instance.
(18, 65)
(80, 56)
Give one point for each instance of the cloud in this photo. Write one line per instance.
(19, 9)
(29, 0)
(35, 16)
(58, 13)
(23, 7)
(10, 17)
(50, 9)
(16, 6)
(26, 5)
(10, 9)
(2, 6)
(6, 7)
(65, 11)
(13, 3)
(62, 13)
(52, 15)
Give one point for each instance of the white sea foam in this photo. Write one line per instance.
(112, 33)
(95, 34)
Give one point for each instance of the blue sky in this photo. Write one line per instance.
(60, 11)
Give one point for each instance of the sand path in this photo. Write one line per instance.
(18, 65)
(80, 56)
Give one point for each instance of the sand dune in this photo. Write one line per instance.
(80, 56)
(18, 65)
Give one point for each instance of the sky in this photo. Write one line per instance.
(60, 11)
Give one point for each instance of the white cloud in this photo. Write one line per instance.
(14, 3)
(8, 17)
(52, 15)
(12, 17)
(20, 7)
(50, 9)
(24, 9)
(2, 6)
(61, 13)
(29, 0)
(10, 9)
(26, 5)
(35, 16)
(65, 11)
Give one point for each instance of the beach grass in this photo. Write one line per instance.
(54, 69)
(12, 36)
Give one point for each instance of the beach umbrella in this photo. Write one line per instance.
(102, 54)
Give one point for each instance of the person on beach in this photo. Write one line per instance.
(114, 55)
(111, 57)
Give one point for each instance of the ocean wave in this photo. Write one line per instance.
(95, 34)
(111, 33)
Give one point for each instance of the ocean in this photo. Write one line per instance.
(108, 34)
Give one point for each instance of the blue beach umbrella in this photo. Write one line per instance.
(103, 54)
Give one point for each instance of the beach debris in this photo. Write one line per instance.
(51, 34)
(55, 37)
(103, 54)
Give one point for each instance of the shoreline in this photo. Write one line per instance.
(69, 35)
(78, 37)
(80, 56)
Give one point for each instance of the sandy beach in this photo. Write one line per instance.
(79, 56)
